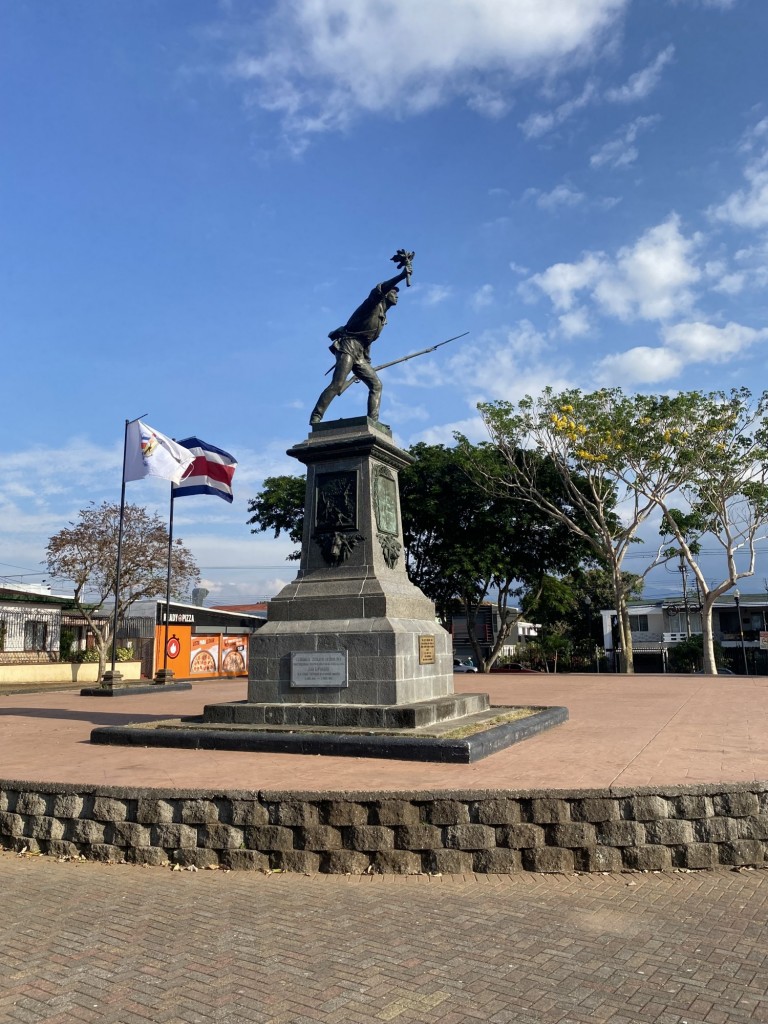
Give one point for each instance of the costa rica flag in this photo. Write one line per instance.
(210, 473)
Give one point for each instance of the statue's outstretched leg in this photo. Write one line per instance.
(322, 404)
(343, 366)
(366, 373)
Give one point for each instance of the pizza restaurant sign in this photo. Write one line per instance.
(177, 617)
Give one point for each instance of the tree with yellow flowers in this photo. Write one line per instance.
(719, 443)
(634, 455)
(604, 448)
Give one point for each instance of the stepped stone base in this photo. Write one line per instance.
(456, 741)
(349, 716)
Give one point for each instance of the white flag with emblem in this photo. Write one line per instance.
(150, 453)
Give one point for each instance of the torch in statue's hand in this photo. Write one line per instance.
(404, 261)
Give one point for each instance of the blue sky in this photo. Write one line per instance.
(192, 194)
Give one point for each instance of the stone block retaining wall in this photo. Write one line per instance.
(405, 833)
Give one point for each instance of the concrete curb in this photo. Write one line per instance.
(131, 690)
(485, 831)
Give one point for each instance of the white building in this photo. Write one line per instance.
(738, 620)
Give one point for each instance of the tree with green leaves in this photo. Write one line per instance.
(570, 605)
(721, 455)
(279, 506)
(597, 445)
(85, 553)
(467, 545)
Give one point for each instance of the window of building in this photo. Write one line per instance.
(729, 622)
(638, 623)
(35, 635)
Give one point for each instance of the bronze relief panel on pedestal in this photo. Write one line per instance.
(385, 506)
(335, 515)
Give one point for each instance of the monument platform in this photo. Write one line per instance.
(493, 734)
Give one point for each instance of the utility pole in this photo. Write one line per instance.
(684, 575)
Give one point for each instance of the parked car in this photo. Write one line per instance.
(463, 666)
(721, 671)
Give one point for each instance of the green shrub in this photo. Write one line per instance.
(688, 655)
(66, 640)
(91, 654)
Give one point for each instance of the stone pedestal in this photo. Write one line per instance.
(351, 629)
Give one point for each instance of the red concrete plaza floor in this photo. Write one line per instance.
(624, 732)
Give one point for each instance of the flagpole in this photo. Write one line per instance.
(165, 674)
(111, 676)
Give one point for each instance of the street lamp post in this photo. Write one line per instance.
(737, 599)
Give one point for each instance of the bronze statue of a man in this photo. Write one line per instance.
(351, 343)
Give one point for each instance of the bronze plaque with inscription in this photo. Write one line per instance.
(426, 650)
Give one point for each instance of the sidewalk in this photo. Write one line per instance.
(623, 731)
(90, 944)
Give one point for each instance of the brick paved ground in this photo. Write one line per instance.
(83, 942)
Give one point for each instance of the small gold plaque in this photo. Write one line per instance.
(426, 650)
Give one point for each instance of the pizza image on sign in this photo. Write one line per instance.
(204, 656)
(203, 662)
(234, 655)
(233, 662)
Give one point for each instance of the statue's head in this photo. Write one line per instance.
(391, 297)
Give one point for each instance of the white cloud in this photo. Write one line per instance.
(517, 268)
(607, 202)
(622, 151)
(753, 260)
(262, 587)
(618, 152)
(507, 364)
(434, 294)
(482, 297)
(562, 281)
(684, 343)
(319, 63)
(755, 137)
(643, 82)
(574, 324)
(730, 284)
(536, 125)
(561, 195)
(396, 411)
(427, 372)
(723, 5)
(489, 103)
(640, 365)
(701, 342)
(650, 280)
(472, 428)
(747, 207)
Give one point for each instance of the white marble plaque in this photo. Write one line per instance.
(319, 668)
